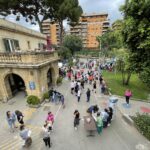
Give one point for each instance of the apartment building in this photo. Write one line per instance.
(89, 27)
(25, 64)
(52, 30)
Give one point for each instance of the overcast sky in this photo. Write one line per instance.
(89, 6)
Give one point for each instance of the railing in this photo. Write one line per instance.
(27, 57)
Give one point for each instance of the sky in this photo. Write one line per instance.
(89, 6)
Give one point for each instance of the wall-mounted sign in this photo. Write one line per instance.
(32, 85)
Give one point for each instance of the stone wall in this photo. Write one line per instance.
(36, 75)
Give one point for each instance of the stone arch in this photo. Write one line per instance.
(13, 82)
(50, 77)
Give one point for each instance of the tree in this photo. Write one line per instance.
(73, 43)
(123, 65)
(40, 10)
(64, 53)
(65, 9)
(112, 39)
(136, 34)
(33, 10)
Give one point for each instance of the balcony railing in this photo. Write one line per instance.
(27, 57)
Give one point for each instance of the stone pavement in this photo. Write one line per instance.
(119, 136)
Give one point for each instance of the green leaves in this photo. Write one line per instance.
(73, 43)
(136, 35)
(142, 122)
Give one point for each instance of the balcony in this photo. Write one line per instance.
(27, 59)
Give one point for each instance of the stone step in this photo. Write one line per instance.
(14, 142)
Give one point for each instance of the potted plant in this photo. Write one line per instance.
(59, 80)
(46, 96)
(33, 101)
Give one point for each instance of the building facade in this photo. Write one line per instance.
(52, 31)
(25, 64)
(89, 27)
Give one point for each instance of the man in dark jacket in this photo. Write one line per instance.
(88, 94)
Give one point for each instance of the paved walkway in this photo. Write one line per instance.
(119, 136)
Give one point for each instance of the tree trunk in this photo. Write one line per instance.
(39, 22)
(61, 32)
(128, 78)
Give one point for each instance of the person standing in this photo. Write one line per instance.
(46, 135)
(88, 94)
(94, 86)
(11, 119)
(62, 99)
(19, 116)
(79, 95)
(99, 123)
(25, 134)
(72, 87)
(76, 119)
(105, 118)
(128, 94)
(50, 117)
(110, 113)
(76, 88)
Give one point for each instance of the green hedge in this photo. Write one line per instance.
(46, 95)
(142, 122)
(33, 100)
(59, 80)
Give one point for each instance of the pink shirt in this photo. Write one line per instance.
(50, 117)
(128, 93)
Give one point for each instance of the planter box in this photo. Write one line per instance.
(34, 106)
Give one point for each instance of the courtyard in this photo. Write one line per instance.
(119, 136)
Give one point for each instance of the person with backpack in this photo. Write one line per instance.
(88, 94)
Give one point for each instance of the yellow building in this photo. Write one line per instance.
(25, 64)
(89, 27)
(52, 30)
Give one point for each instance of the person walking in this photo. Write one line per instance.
(76, 88)
(72, 86)
(50, 117)
(46, 135)
(99, 123)
(94, 86)
(128, 94)
(25, 134)
(11, 119)
(19, 116)
(88, 94)
(79, 95)
(76, 119)
(62, 99)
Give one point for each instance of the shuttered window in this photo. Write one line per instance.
(11, 45)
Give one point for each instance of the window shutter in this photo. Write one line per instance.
(6, 44)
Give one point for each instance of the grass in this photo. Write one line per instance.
(138, 88)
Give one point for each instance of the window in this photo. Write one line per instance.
(41, 46)
(11, 45)
(29, 45)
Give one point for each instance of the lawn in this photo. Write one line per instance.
(114, 82)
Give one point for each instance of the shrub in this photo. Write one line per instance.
(33, 100)
(59, 80)
(142, 122)
(46, 95)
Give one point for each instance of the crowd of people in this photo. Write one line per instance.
(79, 76)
